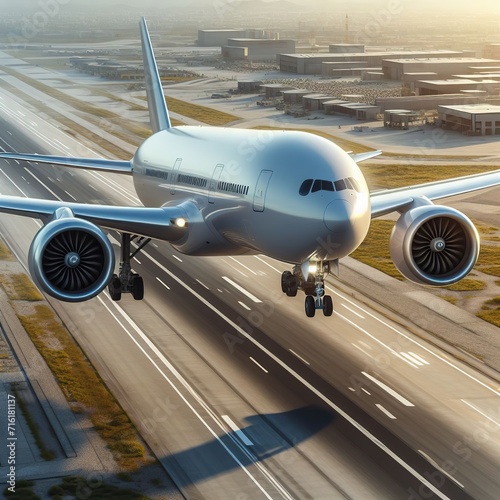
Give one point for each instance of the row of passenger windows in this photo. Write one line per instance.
(232, 188)
(191, 179)
(315, 185)
(160, 174)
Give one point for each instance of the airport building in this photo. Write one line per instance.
(427, 102)
(475, 119)
(219, 38)
(312, 64)
(256, 49)
(456, 85)
(396, 69)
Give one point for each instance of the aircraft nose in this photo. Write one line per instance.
(337, 216)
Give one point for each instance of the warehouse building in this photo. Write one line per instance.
(427, 102)
(455, 86)
(218, 38)
(475, 119)
(443, 67)
(256, 49)
(311, 64)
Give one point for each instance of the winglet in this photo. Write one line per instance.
(364, 156)
(158, 112)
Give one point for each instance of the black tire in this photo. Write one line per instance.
(115, 288)
(284, 281)
(310, 306)
(327, 305)
(138, 288)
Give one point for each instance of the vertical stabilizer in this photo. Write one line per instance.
(158, 112)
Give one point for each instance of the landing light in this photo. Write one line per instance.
(180, 222)
(313, 268)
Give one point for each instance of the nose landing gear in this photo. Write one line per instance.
(313, 285)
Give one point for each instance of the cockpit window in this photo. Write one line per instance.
(355, 184)
(327, 186)
(340, 185)
(305, 187)
(316, 186)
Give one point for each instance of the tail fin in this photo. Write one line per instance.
(158, 112)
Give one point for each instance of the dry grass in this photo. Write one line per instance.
(200, 113)
(20, 287)
(396, 176)
(489, 260)
(467, 285)
(5, 253)
(491, 311)
(83, 387)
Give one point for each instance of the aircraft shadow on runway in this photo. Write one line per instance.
(263, 438)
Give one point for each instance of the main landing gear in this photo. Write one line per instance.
(127, 281)
(313, 286)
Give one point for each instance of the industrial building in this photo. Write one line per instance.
(396, 69)
(456, 85)
(256, 49)
(219, 38)
(312, 64)
(427, 102)
(474, 119)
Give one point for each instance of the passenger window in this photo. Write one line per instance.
(328, 186)
(316, 186)
(340, 185)
(305, 187)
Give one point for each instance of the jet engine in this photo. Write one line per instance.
(71, 259)
(434, 245)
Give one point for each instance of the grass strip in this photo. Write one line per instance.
(73, 487)
(83, 387)
(5, 253)
(19, 287)
(200, 113)
(45, 453)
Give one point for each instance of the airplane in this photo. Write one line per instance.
(290, 195)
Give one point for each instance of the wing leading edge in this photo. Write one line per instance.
(384, 202)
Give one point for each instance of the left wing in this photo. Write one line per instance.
(114, 166)
(391, 200)
(164, 223)
(364, 156)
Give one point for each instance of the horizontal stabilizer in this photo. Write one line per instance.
(364, 156)
(115, 166)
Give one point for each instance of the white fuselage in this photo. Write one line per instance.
(241, 191)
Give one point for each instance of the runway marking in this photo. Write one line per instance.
(44, 185)
(243, 265)
(202, 284)
(237, 430)
(197, 397)
(362, 350)
(300, 357)
(175, 257)
(384, 410)
(93, 187)
(390, 391)
(20, 190)
(161, 282)
(439, 468)
(475, 408)
(411, 360)
(137, 260)
(70, 195)
(422, 360)
(353, 311)
(365, 391)
(258, 364)
(242, 304)
(267, 264)
(305, 383)
(413, 341)
(251, 296)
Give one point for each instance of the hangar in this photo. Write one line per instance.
(472, 119)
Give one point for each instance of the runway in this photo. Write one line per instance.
(241, 396)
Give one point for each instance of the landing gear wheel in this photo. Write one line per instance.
(115, 288)
(327, 305)
(289, 284)
(310, 306)
(137, 287)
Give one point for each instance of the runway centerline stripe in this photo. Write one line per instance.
(251, 296)
(387, 389)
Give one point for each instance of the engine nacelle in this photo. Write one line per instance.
(71, 259)
(434, 245)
